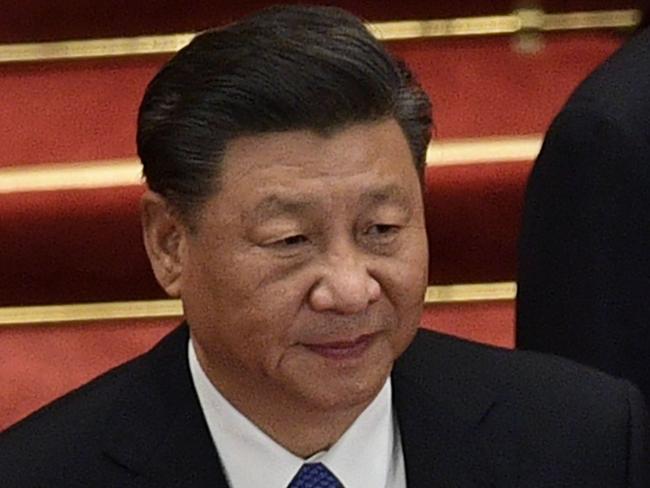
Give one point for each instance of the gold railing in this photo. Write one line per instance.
(519, 21)
(157, 309)
(128, 171)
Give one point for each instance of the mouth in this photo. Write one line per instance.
(341, 350)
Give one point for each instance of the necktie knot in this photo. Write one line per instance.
(314, 475)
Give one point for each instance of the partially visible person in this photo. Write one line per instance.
(284, 156)
(584, 251)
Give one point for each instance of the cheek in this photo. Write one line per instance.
(410, 269)
(221, 274)
(405, 281)
(247, 302)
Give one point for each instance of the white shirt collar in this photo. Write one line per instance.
(368, 454)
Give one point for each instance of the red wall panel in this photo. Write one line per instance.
(85, 110)
(484, 86)
(41, 20)
(71, 111)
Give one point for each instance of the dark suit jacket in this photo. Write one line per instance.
(469, 416)
(584, 250)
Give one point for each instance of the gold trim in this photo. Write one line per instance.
(457, 27)
(476, 292)
(48, 314)
(484, 150)
(70, 176)
(93, 48)
(607, 19)
(522, 20)
(127, 172)
(89, 312)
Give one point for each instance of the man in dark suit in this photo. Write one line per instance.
(584, 251)
(284, 157)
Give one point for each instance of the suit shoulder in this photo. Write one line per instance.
(618, 88)
(539, 409)
(513, 373)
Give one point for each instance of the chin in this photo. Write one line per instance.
(350, 393)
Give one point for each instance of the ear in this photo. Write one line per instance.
(164, 239)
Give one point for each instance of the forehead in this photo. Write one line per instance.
(302, 172)
(289, 159)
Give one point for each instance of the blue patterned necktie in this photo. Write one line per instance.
(314, 475)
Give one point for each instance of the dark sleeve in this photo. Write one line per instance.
(584, 249)
(638, 466)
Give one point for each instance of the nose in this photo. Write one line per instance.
(345, 286)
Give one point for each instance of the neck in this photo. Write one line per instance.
(300, 427)
(305, 433)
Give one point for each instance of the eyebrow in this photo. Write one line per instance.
(275, 205)
(279, 205)
(391, 194)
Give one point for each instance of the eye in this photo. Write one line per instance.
(291, 241)
(294, 240)
(382, 230)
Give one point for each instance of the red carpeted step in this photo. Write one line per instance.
(42, 363)
(69, 111)
(75, 246)
(473, 218)
(490, 322)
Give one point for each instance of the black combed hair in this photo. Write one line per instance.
(284, 68)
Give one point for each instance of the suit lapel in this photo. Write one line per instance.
(157, 429)
(439, 412)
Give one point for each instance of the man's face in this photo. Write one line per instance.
(305, 276)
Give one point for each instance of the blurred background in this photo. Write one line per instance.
(76, 292)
